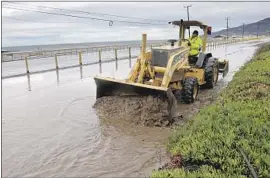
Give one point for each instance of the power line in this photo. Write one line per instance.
(258, 25)
(83, 17)
(243, 31)
(227, 18)
(51, 13)
(34, 20)
(92, 13)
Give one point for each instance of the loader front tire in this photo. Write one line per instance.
(190, 90)
(211, 73)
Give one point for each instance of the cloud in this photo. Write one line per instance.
(32, 28)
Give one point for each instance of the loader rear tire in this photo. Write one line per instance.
(211, 73)
(190, 90)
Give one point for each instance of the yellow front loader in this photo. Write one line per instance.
(167, 72)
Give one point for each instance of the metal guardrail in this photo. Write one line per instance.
(99, 50)
(15, 56)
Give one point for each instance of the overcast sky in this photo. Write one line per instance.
(31, 28)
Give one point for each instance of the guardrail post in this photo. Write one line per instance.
(80, 58)
(56, 61)
(99, 61)
(115, 53)
(129, 55)
(99, 56)
(116, 61)
(26, 64)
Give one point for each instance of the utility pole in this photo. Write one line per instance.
(243, 30)
(258, 25)
(227, 18)
(188, 16)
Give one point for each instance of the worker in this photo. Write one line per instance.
(195, 44)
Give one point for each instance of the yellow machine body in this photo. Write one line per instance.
(160, 70)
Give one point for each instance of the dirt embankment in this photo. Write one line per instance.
(140, 110)
(150, 111)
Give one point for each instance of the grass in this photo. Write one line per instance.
(210, 145)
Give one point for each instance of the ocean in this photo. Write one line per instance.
(74, 45)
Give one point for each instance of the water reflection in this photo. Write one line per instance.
(226, 51)
(116, 64)
(100, 67)
(81, 71)
(129, 60)
(29, 82)
(57, 76)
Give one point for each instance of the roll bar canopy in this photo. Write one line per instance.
(189, 23)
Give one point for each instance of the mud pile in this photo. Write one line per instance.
(140, 110)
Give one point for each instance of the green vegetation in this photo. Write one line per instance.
(210, 144)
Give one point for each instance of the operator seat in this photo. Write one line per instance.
(193, 59)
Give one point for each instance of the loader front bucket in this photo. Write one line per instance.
(223, 66)
(112, 87)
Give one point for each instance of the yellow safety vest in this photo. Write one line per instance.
(196, 44)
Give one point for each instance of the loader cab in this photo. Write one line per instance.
(204, 31)
(185, 25)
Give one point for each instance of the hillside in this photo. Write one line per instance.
(249, 29)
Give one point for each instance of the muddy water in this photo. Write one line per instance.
(49, 128)
(55, 132)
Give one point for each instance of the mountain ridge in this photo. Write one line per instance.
(261, 27)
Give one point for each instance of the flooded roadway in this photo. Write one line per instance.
(49, 128)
